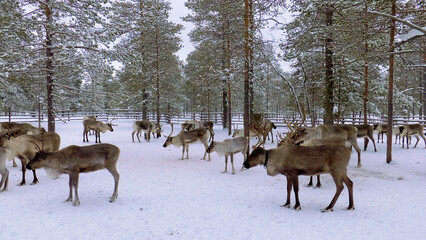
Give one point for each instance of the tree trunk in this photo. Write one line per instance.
(365, 71)
(390, 91)
(329, 82)
(157, 74)
(49, 70)
(247, 67)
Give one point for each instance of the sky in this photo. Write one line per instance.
(179, 10)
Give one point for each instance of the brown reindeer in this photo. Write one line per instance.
(293, 160)
(381, 129)
(74, 160)
(412, 129)
(184, 138)
(14, 129)
(96, 126)
(26, 146)
(366, 131)
(328, 131)
(139, 126)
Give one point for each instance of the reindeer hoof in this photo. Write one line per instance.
(351, 208)
(33, 183)
(112, 199)
(224, 172)
(298, 208)
(327, 210)
(22, 184)
(287, 205)
(76, 203)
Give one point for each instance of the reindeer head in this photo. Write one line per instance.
(256, 157)
(36, 162)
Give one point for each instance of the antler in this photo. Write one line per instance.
(172, 129)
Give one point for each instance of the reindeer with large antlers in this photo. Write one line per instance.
(26, 146)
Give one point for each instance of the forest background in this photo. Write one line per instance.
(63, 56)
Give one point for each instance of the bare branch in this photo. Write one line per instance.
(412, 25)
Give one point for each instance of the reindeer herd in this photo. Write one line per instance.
(302, 151)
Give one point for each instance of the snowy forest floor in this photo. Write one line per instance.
(161, 197)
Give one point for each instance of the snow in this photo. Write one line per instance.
(161, 197)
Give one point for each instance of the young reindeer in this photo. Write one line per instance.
(412, 129)
(229, 147)
(139, 126)
(96, 126)
(184, 138)
(366, 131)
(293, 160)
(74, 160)
(26, 146)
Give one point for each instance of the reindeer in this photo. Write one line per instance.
(4, 155)
(184, 138)
(381, 130)
(24, 128)
(93, 118)
(328, 131)
(194, 124)
(229, 147)
(263, 128)
(293, 160)
(139, 126)
(240, 132)
(412, 129)
(398, 133)
(366, 131)
(156, 130)
(98, 127)
(321, 142)
(26, 146)
(74, 160)
(14, 129)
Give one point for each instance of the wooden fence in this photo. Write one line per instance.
(216, 117)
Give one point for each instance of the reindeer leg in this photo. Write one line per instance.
(365, 143)
(116, 176)
(75, 183)
(187, 151)
(23, 172)
(418, 139)
(311, 182)
(226, 164)
(99, 136)
(232, 162)
(4, 177)
(289, 186)
(354, 143)
(69, 199)
(349, 185)
(374, 142)
(35, 179)
(206, 146)
(339, 188)
(183, 151)
(296, 192)
(318, 182)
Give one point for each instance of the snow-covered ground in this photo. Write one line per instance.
(161, 197)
